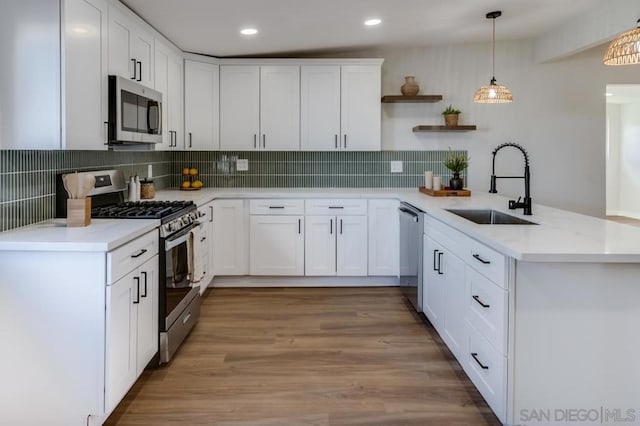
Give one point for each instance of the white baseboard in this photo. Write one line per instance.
(249, 281)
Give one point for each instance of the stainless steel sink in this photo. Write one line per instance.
(490, 217)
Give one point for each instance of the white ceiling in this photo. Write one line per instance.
(294, 26)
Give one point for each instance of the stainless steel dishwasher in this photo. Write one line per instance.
(411, 230)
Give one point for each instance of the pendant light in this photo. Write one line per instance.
(493, 93)
(625, 49)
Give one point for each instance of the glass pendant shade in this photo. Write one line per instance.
(625, 49)
(493, 93)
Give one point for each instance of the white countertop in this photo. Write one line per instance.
(561, 236)
(101, 236)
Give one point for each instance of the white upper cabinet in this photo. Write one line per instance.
(319, 107)
(201, 107)
(280, 108)
(239, 107)
(360, 108)
(131, 48)
(85, 98)
(260, 107)
(168, 80)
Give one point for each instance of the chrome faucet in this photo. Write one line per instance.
(513, 204)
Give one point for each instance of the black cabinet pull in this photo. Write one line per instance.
(475, 356)
(276, 207)
(140, 73)
(478, 258)
(477, 299)
(331, 226)
(336, 207)
(345, 141)
(336, 141)
(340, 226)
(135, 77)
(137, 279)
(254, 141)
(211, 215)
(299, 226)
(190, 140)
(140, 253)
(264, 141)
(144, 274)
(435, 254)
(440, 263)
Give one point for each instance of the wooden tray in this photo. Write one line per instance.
(190, 189)
(446, 192)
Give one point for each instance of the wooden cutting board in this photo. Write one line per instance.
(446, 192)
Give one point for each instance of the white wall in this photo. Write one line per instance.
(558, 115)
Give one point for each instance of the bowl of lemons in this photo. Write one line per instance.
(190, 179)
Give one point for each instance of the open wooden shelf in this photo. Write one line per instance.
(444, 128)
(393, 99)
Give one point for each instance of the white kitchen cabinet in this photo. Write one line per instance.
(360, 114)
(131, 329)
(276, 245)
(432, 286)
(320, 245)
(383, 237)
(207, 223)
(351, 240)
(320, 107)
(340, 108)
(201, 106)
(169, 81)
(259, 107)
(131, 48)
(86, 51)
(230, 237)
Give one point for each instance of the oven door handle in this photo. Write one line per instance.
(180, 237)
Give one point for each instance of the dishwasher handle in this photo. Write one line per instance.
(408, 212)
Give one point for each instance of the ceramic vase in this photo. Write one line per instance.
(410, 87)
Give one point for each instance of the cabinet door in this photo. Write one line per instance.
(239, 107)
(147, 313)
(276, 245)
(201, 106)
(176, 103)
(360, 108)
(161, 83)
(455, 332)
(432, 293)
(351, 246)
(142, 51)
(280, 108)
(121, 60)
(320, 245)
(319, 108)
(383, 237)
(121, 338)
(86, 98)
(230, 238)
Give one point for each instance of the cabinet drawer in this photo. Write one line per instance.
(487, 261)
(487, 370)
(486, 309)
(336, 207)
(126, 258)
(276, 206)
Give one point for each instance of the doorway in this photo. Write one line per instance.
(623, 152)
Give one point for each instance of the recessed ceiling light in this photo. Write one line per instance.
(248, 31)
(372, 22)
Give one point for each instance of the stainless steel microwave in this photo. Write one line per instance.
(135, 112)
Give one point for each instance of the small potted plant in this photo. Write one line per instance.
(451, 116)
(456, 163)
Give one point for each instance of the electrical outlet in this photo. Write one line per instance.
(396, 167)
(242, 165)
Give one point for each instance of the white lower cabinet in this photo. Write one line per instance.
(336, 245)
(432, 291)
(383, 237)
(131, 329)
(230, 237)
(276, 245)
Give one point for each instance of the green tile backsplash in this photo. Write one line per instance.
(27, 178)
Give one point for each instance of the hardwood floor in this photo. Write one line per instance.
(625, 220)
(307, 356)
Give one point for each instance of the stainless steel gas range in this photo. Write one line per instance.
(179, 298)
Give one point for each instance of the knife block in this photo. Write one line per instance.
(79, 212)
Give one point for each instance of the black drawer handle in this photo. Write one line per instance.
(276, 207)
(336, 207)
(140, 253)
(477, 299)
(475, 356)
(478, 258)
